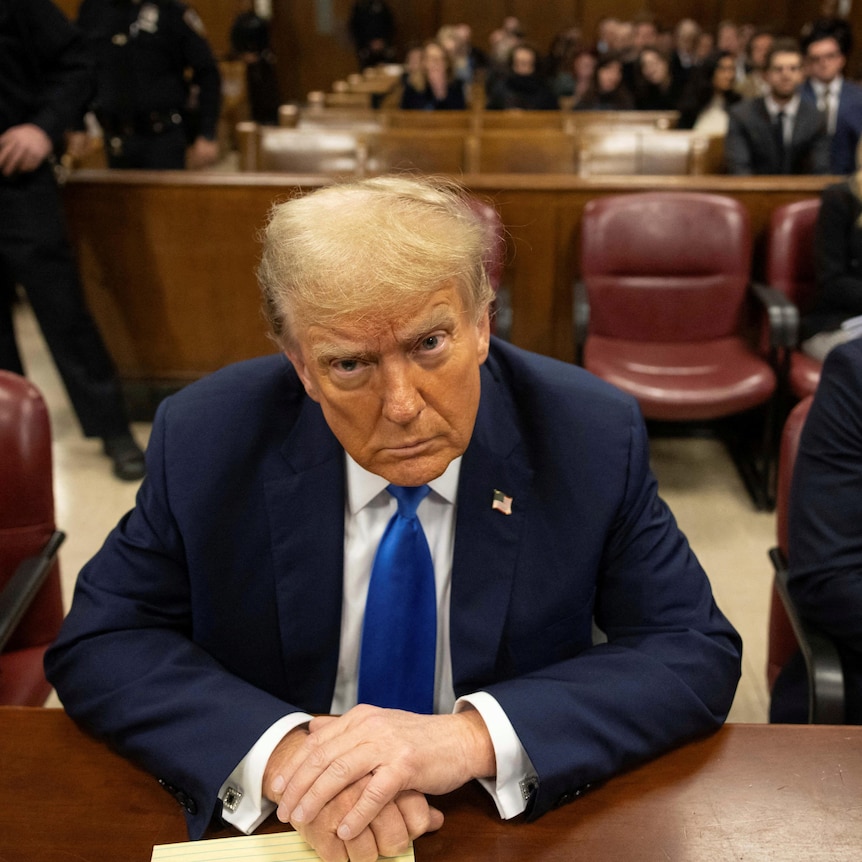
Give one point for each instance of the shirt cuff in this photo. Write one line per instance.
(243, 803)
(516, 776)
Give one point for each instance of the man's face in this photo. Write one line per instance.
(523, 61)
(784, 74)
(824, 60)
(401, 394)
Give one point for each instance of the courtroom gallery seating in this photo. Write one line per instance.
(790, 269)
(788, 633)
(662, 310)
(31, 608)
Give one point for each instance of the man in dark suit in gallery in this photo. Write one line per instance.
(839, 100)
(779, 133)
(565, 629)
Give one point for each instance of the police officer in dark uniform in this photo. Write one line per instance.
(152, 56)
(46, 77)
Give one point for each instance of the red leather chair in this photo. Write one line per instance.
(666, 278)
(788, 633)
(31, 607)
(790, 269)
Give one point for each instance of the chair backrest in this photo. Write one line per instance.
(495, 254)
(665, 266)
(781, 643)
(790, 251)
(26, 525)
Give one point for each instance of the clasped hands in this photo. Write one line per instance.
(354, 785)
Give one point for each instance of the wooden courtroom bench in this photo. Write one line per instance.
(609, 150)
(168, 258)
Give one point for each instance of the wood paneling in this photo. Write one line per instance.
(168, 259)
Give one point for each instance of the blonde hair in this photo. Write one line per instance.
(367, 248)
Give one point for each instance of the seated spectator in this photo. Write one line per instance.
(704, 104)
(825, 541)
(607, 92)
(524, 87)
(778, 133)
(728, 39)
(437, 90)
(655, 87)
(838, 264)
(757, 50)
(683, 58)
(575, 78)
(836, 98)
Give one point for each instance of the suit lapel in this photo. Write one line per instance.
(306, 516)
(487, 541)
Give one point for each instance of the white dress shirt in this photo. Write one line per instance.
(790, 109)
(368, 509)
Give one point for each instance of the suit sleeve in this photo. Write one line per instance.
(67, 67)
(837, 241)
(844, 141)
(205, 73)
(825, 575)
(666, 674)
(130, 668)
(737, 152)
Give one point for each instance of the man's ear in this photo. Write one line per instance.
(298, 363)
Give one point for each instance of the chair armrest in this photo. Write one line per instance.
(782, 314)
(22, 587)
(580, 318)
(822, 662)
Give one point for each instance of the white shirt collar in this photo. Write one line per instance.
(789, 109)
(363, 486)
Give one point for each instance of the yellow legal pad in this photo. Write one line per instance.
(278, 847)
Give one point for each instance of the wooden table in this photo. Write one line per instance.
(750, 792)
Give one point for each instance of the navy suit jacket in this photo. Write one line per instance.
(848, 125)
(215, 605)
(750, 148)
(825, 515)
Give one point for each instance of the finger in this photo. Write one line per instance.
(419, 817)
(318, 771)
(364, 848)
(325, 844)
(390, 831)
(339, 773)
(382, 788)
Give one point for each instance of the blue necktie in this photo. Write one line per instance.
(399, 632)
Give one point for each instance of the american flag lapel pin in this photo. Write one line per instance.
(501, 502)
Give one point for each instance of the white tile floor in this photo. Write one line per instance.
(696, 477)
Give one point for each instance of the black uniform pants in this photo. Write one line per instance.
(35, 253)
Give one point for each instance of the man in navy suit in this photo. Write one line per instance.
(840, 101)
(577, 634)
(779, 133)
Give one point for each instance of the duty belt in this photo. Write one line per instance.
(152, 123)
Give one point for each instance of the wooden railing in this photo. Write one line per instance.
(168, 258)
(468, 142)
